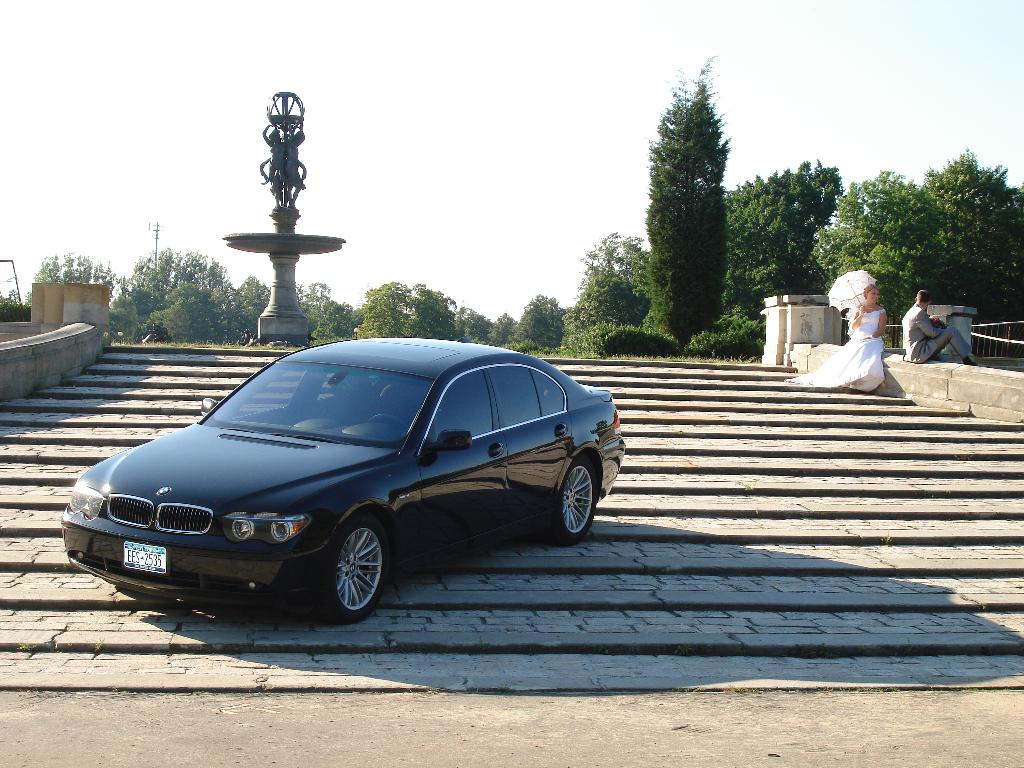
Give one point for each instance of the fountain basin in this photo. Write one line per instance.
(284, 243)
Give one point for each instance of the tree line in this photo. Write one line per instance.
(697, 289)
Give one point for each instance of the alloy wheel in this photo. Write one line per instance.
(359, 568)
(577, 496)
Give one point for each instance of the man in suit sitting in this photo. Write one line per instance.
(924, 335)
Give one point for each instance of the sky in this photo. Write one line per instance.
(481, 148)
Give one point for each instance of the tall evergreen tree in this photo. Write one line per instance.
(686, 216)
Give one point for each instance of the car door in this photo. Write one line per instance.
(462, 491)
(535, 427)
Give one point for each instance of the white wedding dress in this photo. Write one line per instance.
(857, 364)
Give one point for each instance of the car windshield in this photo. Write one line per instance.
(338, 403)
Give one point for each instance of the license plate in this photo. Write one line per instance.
(145, 557)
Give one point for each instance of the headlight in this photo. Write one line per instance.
(86, 501)
(266, 526)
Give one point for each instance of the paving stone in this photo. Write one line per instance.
(706, 531)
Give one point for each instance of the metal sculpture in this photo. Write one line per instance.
(283, 320)
(283, 171)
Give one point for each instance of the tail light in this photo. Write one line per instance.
(617, 422)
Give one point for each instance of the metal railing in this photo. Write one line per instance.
(988, 340)
(998, 339)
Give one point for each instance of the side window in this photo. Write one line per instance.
(466, 405)
(515, 393)
(552, 398)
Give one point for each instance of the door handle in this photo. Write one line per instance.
(495, 450)
(561, 430)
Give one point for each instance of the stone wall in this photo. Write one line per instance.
(990, 393)
(43, 360)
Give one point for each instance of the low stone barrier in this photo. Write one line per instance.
(990, 393)
(43, 360)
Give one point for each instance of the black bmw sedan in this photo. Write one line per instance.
(338, 466)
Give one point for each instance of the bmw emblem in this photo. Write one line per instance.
(163, 491)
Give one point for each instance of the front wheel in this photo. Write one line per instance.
(574, 506)
(354, 571)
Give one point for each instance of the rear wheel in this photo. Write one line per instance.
(574, 505)
(354, 571)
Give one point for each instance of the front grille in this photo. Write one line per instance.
(183, 518)
(130, 510)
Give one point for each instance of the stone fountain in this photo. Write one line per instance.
(283, 319)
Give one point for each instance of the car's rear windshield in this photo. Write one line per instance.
(340, 403)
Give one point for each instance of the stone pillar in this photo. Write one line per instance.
(961, 318)
(792, 320)
(55, 305)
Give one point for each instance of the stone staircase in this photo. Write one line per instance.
(759, 535)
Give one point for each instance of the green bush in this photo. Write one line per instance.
(731, 335)
(611, 340)
(13, 311)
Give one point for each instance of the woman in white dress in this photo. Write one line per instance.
(858, 363)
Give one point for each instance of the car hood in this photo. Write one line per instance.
(226, 469)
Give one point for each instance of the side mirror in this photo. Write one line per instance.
(207, 405)
(452, 440)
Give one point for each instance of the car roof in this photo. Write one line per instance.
(422, 357)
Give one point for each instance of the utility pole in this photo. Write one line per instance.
(155, 229)
(17, 289)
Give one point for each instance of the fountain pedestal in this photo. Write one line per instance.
(283, 319)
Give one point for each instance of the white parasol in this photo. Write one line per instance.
(848, 291)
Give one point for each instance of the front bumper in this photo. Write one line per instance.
(194, 569)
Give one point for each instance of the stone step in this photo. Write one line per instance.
(794, 397)
(748, 531)
(143, 394)
(81, 437)
(522, 673)
(33, 497)
(746, 633)
(817, 507)
(102, 405)
(641, 409)
(963, 430)
(170, 349)
(16, 523)
(76, 591)
(739, 384)
(911, 447)
(680, 462)
(81, 456)
(711, 392)
(186, 359)
(235, 375)
(43, 527)
(662, 366)
(98, 421)
(154, 382)
(795, 485)
(672, 557)
(692, 482)
(33, 476)
(939, 468)
(905, 418)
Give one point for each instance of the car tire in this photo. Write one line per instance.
(575, 504)
(355, 570)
